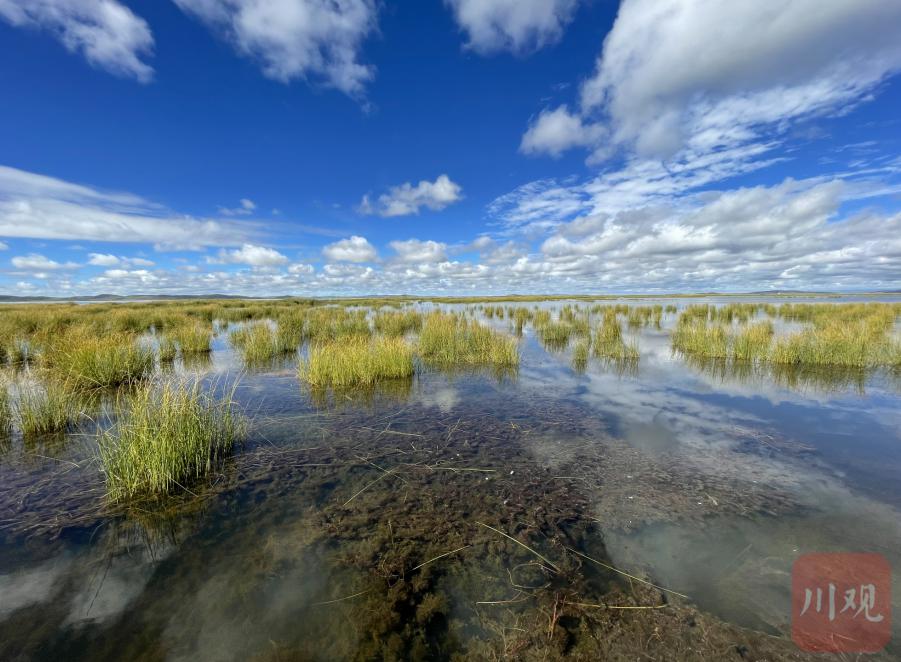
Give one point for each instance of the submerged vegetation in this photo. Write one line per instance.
(166, 435)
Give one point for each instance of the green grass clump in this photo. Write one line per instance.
(333, 322)
(694, 336)
(192, 338)
(838, 344)
(449, 339)
(167, 349)
(397, 323)
(356, 361)
(45, 409)
(752, 342)
(259, 341)
(167, 434)
(6, 417)
(580, 355)
(84, 361)
(608, 342)
(555, 335)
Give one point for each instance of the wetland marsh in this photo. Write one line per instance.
(437, 479)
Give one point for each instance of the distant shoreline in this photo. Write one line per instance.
(149, 298)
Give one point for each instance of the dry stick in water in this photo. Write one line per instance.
(524, 546)
(347, 597)
(441, 556)
(626, 574)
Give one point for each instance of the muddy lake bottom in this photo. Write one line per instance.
(464, 515)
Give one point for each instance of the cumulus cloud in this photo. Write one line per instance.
(296, 39)
(407, 199)
(518, 26)
(34, 206)
(245, 207)
(556, 131)
(109, 260)
(106, 32)
(702, 75)
(37, 262)
(253, 255)
(414, 250)
(352, 249)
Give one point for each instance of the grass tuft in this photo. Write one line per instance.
(45, 409)
(449, 339)
(192, 338)
(84, 361)
(609, 343)
(167, 434)
(356, 361)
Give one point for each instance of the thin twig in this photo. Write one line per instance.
(524, 546)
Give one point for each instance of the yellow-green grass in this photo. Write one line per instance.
(840, 344)
(356, 361)
(555, 335)
(848, 335)
(333, 322)
(167, 349)
(192, 337)
(6, 416)
(397, 323)
(167, 435)
(85, 361)
(752, 342)
(580, 355)
(44, 408)
(449, 339)
(259, 342)
(694, 336)
(608, 342)
(290, 330)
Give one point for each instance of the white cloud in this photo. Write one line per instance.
(518, 26)
(37, 262)
(244, 208)
(414, 250)
(408, 199)
(108, 260)
(353, 249)
(3, 246)
(318, 39)
(555, 131)
(301, 269)
(703, 75)
(255, 256)
(34, 206)
(106, 32)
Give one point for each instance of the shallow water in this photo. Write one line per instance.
(705, 480)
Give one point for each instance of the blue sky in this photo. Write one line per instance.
(468, 146)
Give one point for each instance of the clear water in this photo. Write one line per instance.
(706, 481)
